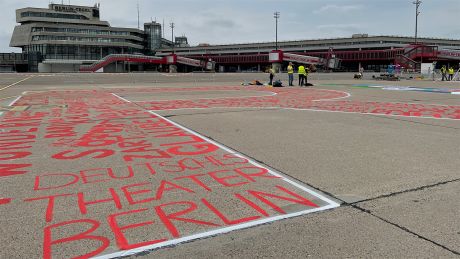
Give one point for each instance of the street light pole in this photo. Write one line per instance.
(417, 4)
(172, 35)
(276, 15)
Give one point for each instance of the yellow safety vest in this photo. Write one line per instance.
(290, 70)
(451, 71)
(302, 71)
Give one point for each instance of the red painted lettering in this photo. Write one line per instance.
(11, 169)
(120, 236)
(164, 187)
(101, 153)
(129, 194)
(48, 242)
(200, 149)
(167, 219)
(195, 179)
(299, 200)
(37, 186)
(13, 155)
(260, 172)
(50, 207)
(223, 180)
(224, 218)
(82, 203)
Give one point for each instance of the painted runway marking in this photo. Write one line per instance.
(127, 179)
(308, 100)
(18, 82)
(4, 201)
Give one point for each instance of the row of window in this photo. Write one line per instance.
(77, 52)
(54, 15)
(82, 39)
(81, 31)
(302, 46)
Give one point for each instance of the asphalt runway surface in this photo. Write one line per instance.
(200, 166)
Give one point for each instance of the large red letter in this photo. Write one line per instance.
(122, 242)
(167, 218)
(48, 241)
(102, 153)
(299, 200)
(38, 177)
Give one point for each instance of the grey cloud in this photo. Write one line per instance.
(337, 8)
(238, 21)
(341, 26)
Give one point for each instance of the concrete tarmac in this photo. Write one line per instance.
(199, 166)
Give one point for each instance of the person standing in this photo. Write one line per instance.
(451, 73)
(444, 72)
(301, 73)
(290, 70)
(271, 71)
(307, 72)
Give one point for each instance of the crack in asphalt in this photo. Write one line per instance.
(220, 112)
(355, 204)
(415, 122)
(420, 188)
(405, 229)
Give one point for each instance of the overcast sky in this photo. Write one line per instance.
(242, 21)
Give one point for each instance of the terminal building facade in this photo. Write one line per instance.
(61, 38)
(67, 36)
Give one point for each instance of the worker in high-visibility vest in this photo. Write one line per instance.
(290, 70)
(307, 72)
(444, 72)
(302, 74)
(451, 73)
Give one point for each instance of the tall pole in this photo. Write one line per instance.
(276, 15)
(417, 4)
(172, 35)
(138, 16)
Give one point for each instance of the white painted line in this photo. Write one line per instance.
(125, 100)
(245, 157)
(227, 108)
(331, 205)
(212, 98)
(368, 113)
(210, 233)
(12, 103)
(347, 95)
(13, 84)
(15, 100)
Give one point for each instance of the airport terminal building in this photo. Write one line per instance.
(62, 38)
(68, 36)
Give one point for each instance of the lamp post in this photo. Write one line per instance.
(417, 4)
(172, 35)
(276, 15)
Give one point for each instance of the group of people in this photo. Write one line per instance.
(447, 71)
(302, 72)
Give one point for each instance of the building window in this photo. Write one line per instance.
(54, 15)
